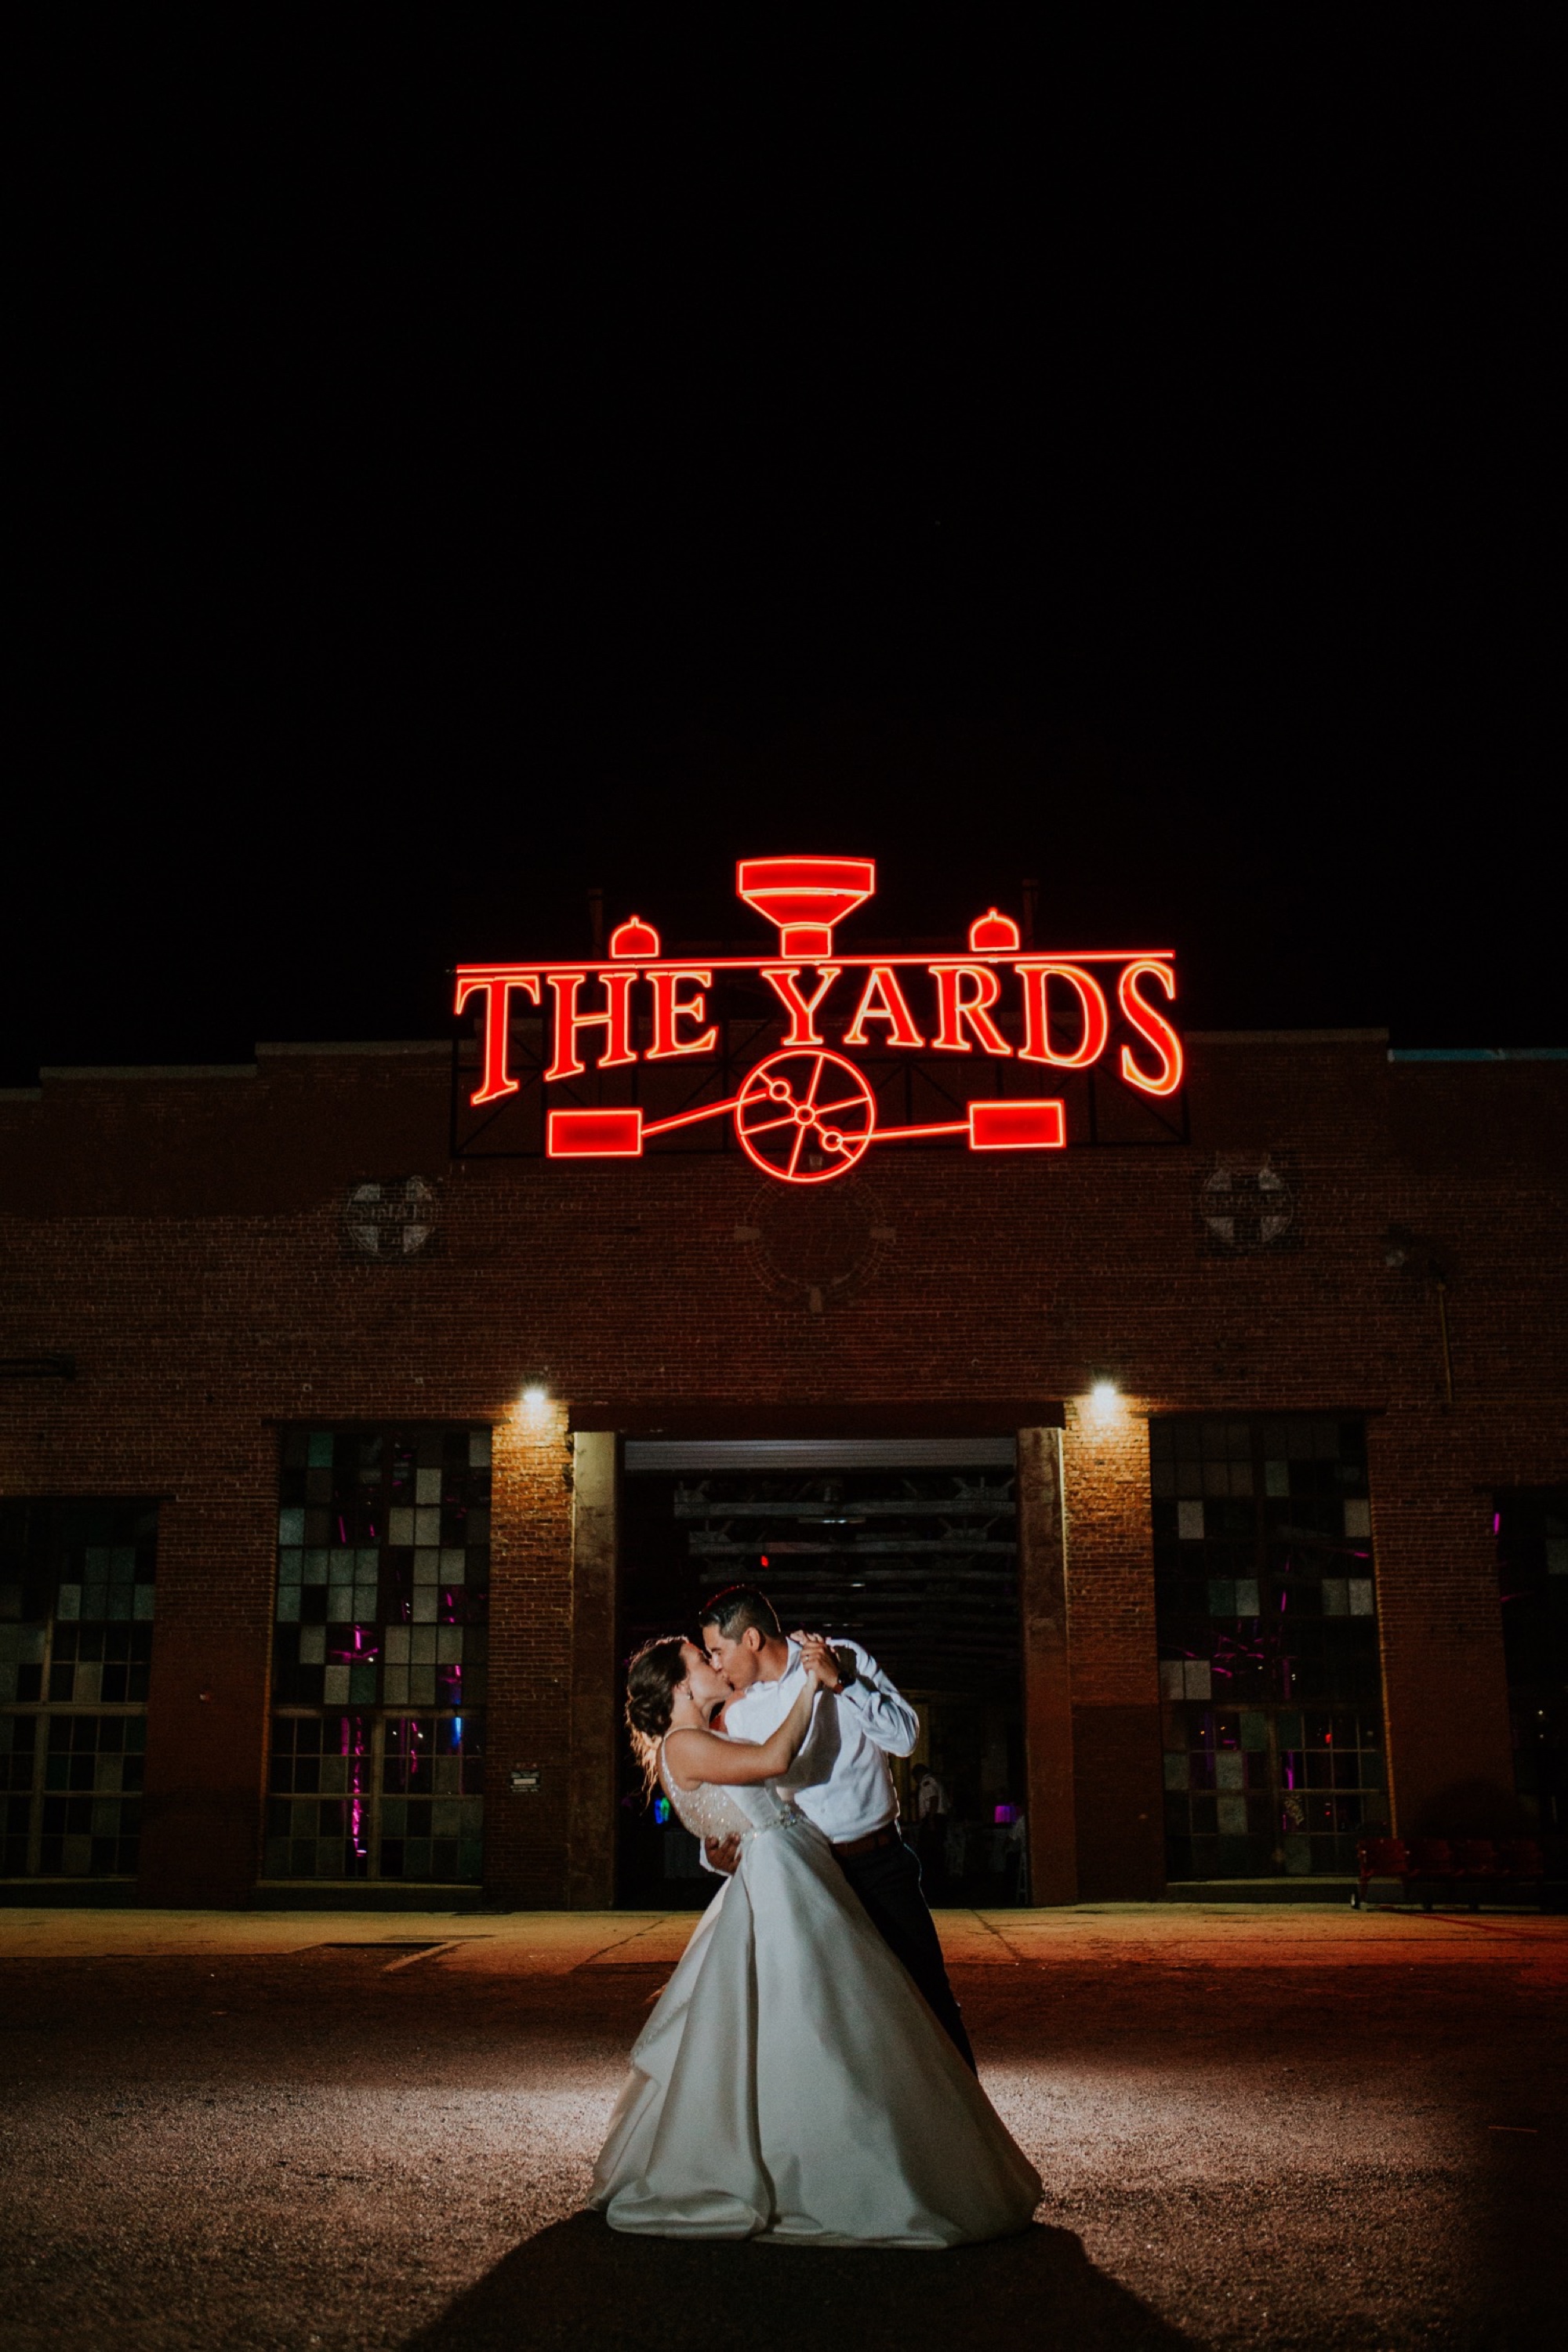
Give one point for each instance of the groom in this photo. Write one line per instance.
(840, 1778)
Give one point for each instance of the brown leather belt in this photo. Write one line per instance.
(870, 1844)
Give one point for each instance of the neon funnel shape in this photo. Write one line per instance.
(805, 896)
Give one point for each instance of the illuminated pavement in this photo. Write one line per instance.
(1256, 2127)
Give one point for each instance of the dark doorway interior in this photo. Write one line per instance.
(910, 1546)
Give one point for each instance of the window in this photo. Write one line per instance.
(1266, 1606)
(1531, 1528)
(76, 1644)
(379, 1657)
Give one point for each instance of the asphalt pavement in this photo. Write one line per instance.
(1256, 2127)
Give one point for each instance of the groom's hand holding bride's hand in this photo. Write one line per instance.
(822, 1662)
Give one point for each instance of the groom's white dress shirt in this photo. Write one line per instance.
(840, 1778)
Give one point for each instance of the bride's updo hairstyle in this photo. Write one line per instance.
(654, 1676)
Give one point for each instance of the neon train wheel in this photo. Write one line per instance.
(805, 1107)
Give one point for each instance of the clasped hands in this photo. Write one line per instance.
(830, 1670)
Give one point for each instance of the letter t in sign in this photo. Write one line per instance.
(497, 988)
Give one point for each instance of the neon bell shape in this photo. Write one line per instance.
(805, 896)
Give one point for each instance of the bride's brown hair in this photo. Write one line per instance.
(653, 1677)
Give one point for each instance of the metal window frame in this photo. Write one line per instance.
(378, 1712)
(1271, 1709)
(45, 1709)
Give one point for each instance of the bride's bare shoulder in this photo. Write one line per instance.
(690, 1748)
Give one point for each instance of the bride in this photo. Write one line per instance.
(791, 2084)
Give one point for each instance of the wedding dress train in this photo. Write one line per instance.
(790, 2083)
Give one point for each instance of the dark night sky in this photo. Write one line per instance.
(456, 473)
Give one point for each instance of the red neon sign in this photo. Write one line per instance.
(498, 988)
(805, 1113)
(791, 1100)
(1092, 1007)
(595, 1134)
(781, 979)
(804, 897)
(1017, 1127)
(677, 997)
(966, 994)
(1152, 1025)
(882, 1000)
(615, 1020)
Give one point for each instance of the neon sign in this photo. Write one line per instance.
(805, 1112)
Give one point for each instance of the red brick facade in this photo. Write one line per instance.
(180, 1236)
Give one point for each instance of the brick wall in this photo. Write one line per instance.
(1115, 1686)
(181, 1237)
(529, 1709)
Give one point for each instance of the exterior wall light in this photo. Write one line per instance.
(533, 1401)
(1104, 1397)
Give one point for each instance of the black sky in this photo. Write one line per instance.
(461, 468)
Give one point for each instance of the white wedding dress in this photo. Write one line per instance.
(791, 2084)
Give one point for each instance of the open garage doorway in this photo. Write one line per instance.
(911, 1545)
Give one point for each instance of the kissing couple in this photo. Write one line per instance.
(806, 2077)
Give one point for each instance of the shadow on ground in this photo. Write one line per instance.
(579, 2284)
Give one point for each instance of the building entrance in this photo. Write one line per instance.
(910, 1546)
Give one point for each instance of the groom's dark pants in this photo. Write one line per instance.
(888, 1881)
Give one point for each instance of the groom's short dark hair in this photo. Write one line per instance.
(738, 1606)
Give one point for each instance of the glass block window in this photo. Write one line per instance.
(379, 1655)
(77, 1585)
(1531, 1528)
(1269, 1677)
